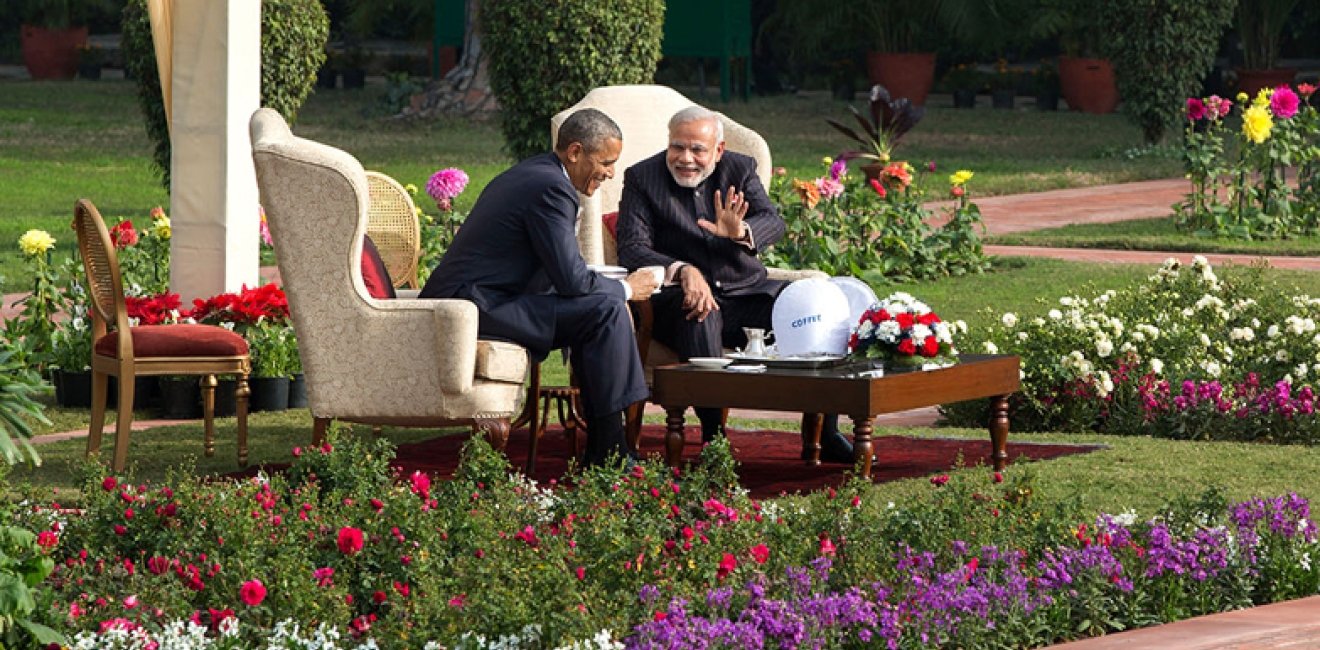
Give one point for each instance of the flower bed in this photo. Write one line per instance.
(339, 549)
(1184, 354)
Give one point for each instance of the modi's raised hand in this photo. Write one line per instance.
(729, 212)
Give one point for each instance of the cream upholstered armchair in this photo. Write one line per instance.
(400, 362)
(642, 113)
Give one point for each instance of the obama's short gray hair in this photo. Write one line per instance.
(590, 127)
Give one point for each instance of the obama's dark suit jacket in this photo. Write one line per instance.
(517, 258)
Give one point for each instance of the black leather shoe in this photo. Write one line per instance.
(835, 449)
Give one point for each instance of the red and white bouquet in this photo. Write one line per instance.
(903, 330)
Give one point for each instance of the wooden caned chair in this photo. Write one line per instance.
(393, 227)
(126, 352)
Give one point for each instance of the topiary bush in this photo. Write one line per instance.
(1161, 50)
(293, 37)
(544, 58)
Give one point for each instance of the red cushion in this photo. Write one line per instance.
(182, 340)
(374, 273)
(611, 222)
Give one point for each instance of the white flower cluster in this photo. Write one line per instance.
(1183, 322)
(186, 635)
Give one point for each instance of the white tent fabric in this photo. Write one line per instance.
(214, 87)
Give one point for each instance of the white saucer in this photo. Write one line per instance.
(710, 362)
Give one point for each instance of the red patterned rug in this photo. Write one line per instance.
(769, 461)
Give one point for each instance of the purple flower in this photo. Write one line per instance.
(838, 168)
(447, 184)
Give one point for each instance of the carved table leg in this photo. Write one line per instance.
(208, 412)
(999, 431)
(674, 434)
(862, 450)
(496, 430)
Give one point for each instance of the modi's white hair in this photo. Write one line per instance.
(695, 113)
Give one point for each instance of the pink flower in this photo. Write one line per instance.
(47, 539)
(939, 480)
(829, 188)
(123, 234)
(420, 484)
(131, 602)
(878, 187)
(527, 536)
(1306, 90)
(264, 229)
(580, 572)
(1195, 109)
(1284, 102)
(760, 553)
(349, 540)
(446, 184)
(827, 547)
(109, 484)
(324, 577)
(252, 593)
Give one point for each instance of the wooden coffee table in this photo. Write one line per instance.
(847, 390)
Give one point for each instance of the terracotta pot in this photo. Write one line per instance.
(1088, 84)
(1251, 81)
(872, 170)
(52, 53)
(908, 75)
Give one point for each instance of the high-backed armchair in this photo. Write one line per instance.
(399, 362)
(642, 113)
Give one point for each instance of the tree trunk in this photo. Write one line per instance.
(465, 90)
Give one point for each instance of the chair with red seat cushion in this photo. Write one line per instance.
(126, 352)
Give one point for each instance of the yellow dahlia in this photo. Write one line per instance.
(1257, 123)
(35, 242)
(162, 228)
(960, 177)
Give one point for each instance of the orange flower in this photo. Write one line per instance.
(899, 171)
(808, 191)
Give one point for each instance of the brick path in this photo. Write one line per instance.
(1293, 624)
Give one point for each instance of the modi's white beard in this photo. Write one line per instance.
(692, 182)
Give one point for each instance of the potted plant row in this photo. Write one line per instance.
(274, 352)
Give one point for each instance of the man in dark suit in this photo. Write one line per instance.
(516, 256)
(702, 213)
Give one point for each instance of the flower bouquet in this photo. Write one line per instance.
(904, 332)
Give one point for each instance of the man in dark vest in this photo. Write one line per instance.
(517, 258)
(702, 213)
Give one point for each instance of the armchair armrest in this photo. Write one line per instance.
(455, 328)
(792, 275)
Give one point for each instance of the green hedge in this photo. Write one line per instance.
(1161, 50)
(293, 37)
(544, 56)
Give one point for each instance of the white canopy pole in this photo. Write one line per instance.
(216, 86)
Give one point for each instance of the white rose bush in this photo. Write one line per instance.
(1183, 354)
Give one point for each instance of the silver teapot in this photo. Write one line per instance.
(756, 338)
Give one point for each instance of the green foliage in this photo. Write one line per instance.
(1238, 178)
(1161, 50)
(543, 59)
(1260, 23)
(24, 605)
(860, 232)
(273, 348)
(18, 409)
(293, 38)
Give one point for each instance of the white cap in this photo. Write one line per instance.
(860, 297)
(811, 317)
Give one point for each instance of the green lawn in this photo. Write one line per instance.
(1152, 235)
(1133, 472)
(63, 140)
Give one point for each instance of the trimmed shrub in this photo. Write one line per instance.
(293, 37)
(1161, 50)
(545, 58)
